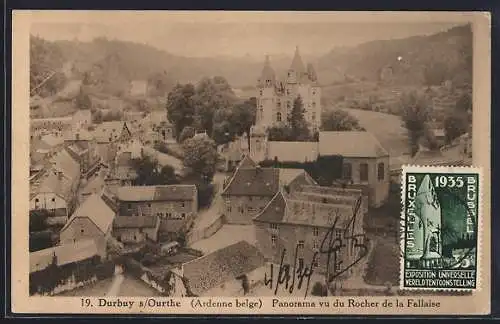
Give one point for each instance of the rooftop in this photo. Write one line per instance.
(351, 144)
(157, 193)
(66, 253)
(97, 210)
(214, 269)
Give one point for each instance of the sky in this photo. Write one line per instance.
(239, 34)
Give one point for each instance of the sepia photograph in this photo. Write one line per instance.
(193, 155)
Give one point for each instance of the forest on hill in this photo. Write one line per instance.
(423, 60)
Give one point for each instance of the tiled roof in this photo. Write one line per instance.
(135, 222)
(350, 144)
(94, 185)
(247, 162)
(66, 253)
(53, 182)
(216, 268)
(436, 157)
(282, 209)
(274, 211)
(96, 210)
(292, 151)
(158, 193)
(287, 176)
(253, 182)
(64, 162)
(79, 134)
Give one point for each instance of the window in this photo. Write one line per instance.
(363, 172)
(274, 226)
(315, 245)
(314, 92)
(81, 231)
(273, 240)
(301, 244)
(315, 231)
(347, 171)
(381, 171)
(228, 209)
(149, 205)
(183, 215)
(129, 206)
(260, 92)
(183, 204)
(337, 266)
(338, 234)
(301, 263)
(37, 200)
(278, 116)
(316, 263)
(53, 199)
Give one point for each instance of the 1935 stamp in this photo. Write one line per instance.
(440, 228)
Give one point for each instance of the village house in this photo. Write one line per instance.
(300, 226)
(251, 187)
(68, 258)
(136, 229)
(93, 219)
(233, 152)
(55, 126)
(55, 187)
(365, 161)
(93, 185)
(108, 135)
(175, 205)
(82, 146)
(222, 272)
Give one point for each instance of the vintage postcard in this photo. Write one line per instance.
(211, 162)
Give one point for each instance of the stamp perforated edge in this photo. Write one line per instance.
(479, 236)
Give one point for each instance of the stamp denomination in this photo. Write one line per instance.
(440, 232)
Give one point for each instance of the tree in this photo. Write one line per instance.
(186, 133)
(454, 126)
(159, 84)
(180, 106)
(339, 120)
(200, 157)
(415, 113)
(297, 122)
(38, 220)
(243, 116)
(435, 73)
(212, 94)
(458, 121)
(280, 133)
(150, 173)
(319, 290)
(83, 100)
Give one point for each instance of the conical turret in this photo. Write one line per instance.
(311, 73)
(297, 64)
(268, 76)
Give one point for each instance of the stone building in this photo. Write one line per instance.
(251, 187)
(301, 227)
(175, 205)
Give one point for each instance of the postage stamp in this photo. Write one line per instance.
(441, 220)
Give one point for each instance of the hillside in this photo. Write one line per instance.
(449, 53)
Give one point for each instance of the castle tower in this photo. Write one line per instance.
(275, 97)
(266, 97)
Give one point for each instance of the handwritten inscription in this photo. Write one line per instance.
(333, 246)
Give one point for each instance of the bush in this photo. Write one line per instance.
(319, 289)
